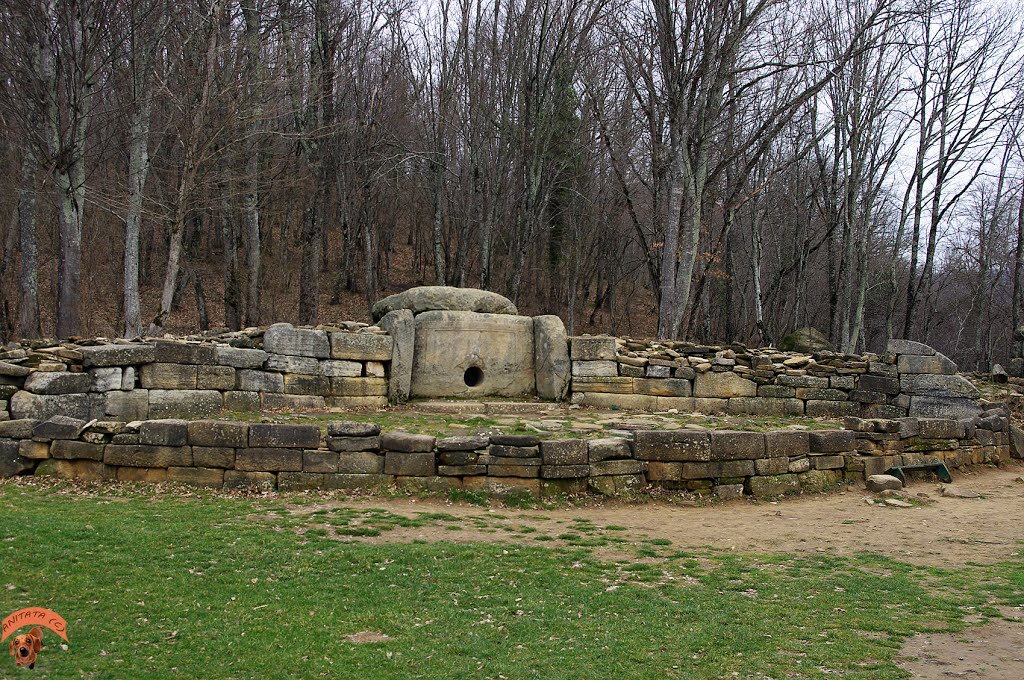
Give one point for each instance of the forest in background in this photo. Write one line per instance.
(695, 169)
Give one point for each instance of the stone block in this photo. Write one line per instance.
(299, 481)
(238, 357)
(461, 470)
(639, 402)
(361, 346)
(724, 385)
(261, 481)
(142, 475)
(274, 435)
(401, 326)
(213, 456)
(457, 458)
(117, 355)
(938, 364)
(43, 406)
(607, 448)
(564, 471)
(179, 352)
(827, 462)
(900, 346)
(806, 381)
(169, 432)
(218, 433)
(34, 450)
(260, 381)
(842, 382)
(184, 403)
(215, 378)
(618, 467)
(663, 387)
(352, 428)
(931, 385)
(771, 466)
(819, 481)
(411, 464)
(700, 470)
(607, 385)
(939, 428)
(564, 452)
(876, 383)
(338, 403)
(293, 402)
(296, 383)
(766, 406)
(551, 357)
(283, 338)
(553, 488)
(672, 445)
(169, 377)
(798, 465)
(942, 407)
(128, 406)
(341, 369)
(359, 387)
(360, 463)
(241, 401)
(375, 369)
(659, 372)
(406, 442)
(284, 363)
(142, 455)
(631, 371)
(196, 476)
(592, 348)
(732, 445)
(502, 451)
(345, 444)
(463, 443)
(658, 471)
(356, 482)
(105, 379)
(595, 369)
(12, 462)
(9, 370)
(773, 485)
(18, 429)
(824, 394)
(728, 492)
(831, 409)
(59, 427)
(512, 470)
(617, 485)
(832, 441)
(268, 460)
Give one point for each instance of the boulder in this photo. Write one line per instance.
(879, 483)
(444, 298)
(806, 340)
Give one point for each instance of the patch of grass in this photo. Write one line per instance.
(158, 586)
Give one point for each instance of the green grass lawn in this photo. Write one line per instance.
(208, 586)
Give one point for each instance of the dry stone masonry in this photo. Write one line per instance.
(139, 410)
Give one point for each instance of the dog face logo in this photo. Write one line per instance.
(24, 648)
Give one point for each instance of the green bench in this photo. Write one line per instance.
(939, 469)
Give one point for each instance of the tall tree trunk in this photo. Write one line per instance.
(138, 169)
(250, 181)
(28, 316)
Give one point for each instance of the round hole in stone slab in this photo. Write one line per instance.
(473, 376)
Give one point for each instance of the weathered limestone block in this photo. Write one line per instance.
(316, 460)
(293, 402)
(128, 375)
(564, 452)
(238, 479)
(218, 433)
(658, 372)
(344, 444)
(470, 354)
(662, 387)
(734, 445)
(181, 352)
(594, 369)
(617, 485)
(142, 455)
(358, 387)
(213, 456)
(444, 298)
(937, 364)
(9, 370)
(410, 464)
(877, 383)
(297, 383)
(259, 381)
(361, 463)
(773, 485)
(292, 364)
(937, 428)
(723, 385)
(83, 470)
(169, 377)
(832, 441)
(618, 467)
(639, 402)
(340, 369)
(463, 443)
(128, 406)
(406, 442)
(244, 401)
(11, 461)
(802, 381)
(106, 379)
(766, 406)
(942, 407)
(375, 369)
(117, 355)
(353, 482)
(401, 326)
(238, 357)
(59, 427)
(932, 385)
(607, 448)
(356, 402)
(299, 481)
(196, 476)
(609, 385)
(830, 409)
(592, 348)
(58, 383)
(564, 471)
(827, 462)
(771, 466)
(274, 435)
(215, 378)
(819, 481)
(878, 483)
(824, 394)
(551, 357)
(672, 445)
(43, 406)
(352, 428)
(167, 432)
(268, 460)
(27, 448)
(184, 403)
(142, 475)
(785, 443)
(361, 346)
(17, 429)
(900, 346)
(283, 338)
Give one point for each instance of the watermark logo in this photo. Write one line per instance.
(25, 647)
